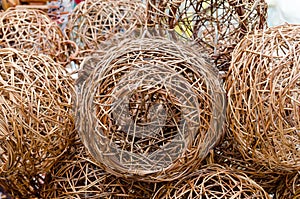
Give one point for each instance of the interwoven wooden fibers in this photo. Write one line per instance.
(151, 109)
(290, 187)
(263, 93)
(228, 155)
(93, 21)
(36, 122)
(212, 181)
(78, 175)
(33, 31)
(217, 25)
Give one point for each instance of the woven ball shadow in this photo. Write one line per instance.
(93, 21)
(33, 31)
(216, 25)
(78, 175)
(263, 93)
(289, 187)
(36, 119)
(228, 155)
(212, 181)
(151, 109)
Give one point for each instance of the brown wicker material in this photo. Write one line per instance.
(263, 88)
(36, 122)
(79, 176)
(33, 31)
(212, 182)
(289, 188)
(227, 155)
(152, 108)
(93, 21)
(218, 25)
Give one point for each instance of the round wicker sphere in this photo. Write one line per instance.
(212, 181)
(93, 21)
(263, 87)
(152, 108)
(218, 25)
(33, 31)
(79, 176)
(36, 122)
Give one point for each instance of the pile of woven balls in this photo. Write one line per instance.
(149, 99)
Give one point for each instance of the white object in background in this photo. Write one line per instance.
(283, 11)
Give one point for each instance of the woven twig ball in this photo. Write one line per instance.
(33, 31)
(93, 21)
(152, 108)
(212, 181)
(228, 155)
(218, 25)
(79, 176)
(290, 187)
(36, 122)
(263, 89)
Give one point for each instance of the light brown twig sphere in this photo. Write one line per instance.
(36, 121)
(263, 89)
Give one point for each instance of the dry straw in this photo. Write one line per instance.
(151, 109)
(263, 89)
(212, 181)
(93, 21)
(79, 176)
(33, 31)
(216, 25)
(36, 122)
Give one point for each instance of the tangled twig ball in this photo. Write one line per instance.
(218, 25)
(33, 31)
(152, 108)
(79, 176)
(263, 89)
(289, 187)
(36, 122)
(212, 181)
(93, 21)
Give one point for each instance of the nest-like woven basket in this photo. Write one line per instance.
(93, 21)
(289, 188)
(78, 175)
(152, 108)
(228, 155)
(263, 89)
(212, 181)
(33, 31)
(218, 25)
(36, 120)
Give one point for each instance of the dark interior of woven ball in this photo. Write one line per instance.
(33, 31)
(216, 25)
(263, 92)
(155, 105)
(212, 181)
(36, 120)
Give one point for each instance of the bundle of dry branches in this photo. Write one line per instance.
(212, 181)
(218, 25)
(152, 108)
(36, 122)
(290, 187)
(93, 21)
(263, 88)
(33, 31)
(79, 176)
